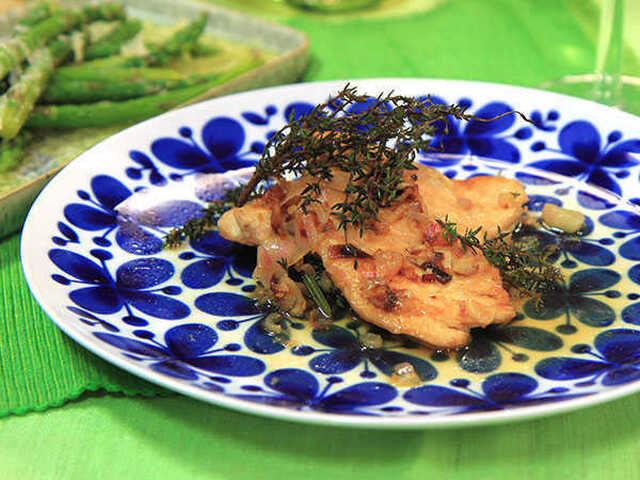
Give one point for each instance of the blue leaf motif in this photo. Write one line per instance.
(631, 314)
(254, 118)
(592, 201)
(336, 362)
(506, 387)
(78, 266)
(68, 232)
(621, 219)
(258, 341)
(619, 345)
(133, 239)
(109, 191)
(156, 305)
(89, 218)
(144, 273)
(562, 167)
(618, 156)
(436, 396)
(491, 110)
(204, 273)
(360, 395)
(223, 137)
(174, 369)
(496, 148)
(581, 140)
(592, 279)
(179, 154)
(232, 365)
(631, 249)
(294, 383)
(130, 345)
(226, 304)
(616, 360)
(602, 179)
(296, 110)
(566, 368)
(101, 300)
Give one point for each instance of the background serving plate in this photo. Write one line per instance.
(183, 318)
(286, 58)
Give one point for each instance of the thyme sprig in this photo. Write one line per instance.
(372, 140)
(523, 265)
(195, 228)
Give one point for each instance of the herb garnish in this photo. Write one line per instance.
(371, 140)
(374, 145)
(195, 228)
(523, 267)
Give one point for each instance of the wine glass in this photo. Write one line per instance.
(605, 84)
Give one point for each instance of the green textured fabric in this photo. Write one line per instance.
(41, 367)
(503, 41)
(103, 437)
(177, 438)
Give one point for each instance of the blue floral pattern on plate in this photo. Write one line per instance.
(187, 315)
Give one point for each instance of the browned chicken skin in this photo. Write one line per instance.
(401, 275)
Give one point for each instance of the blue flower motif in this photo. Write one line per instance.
(185, 346)
(346, 352)
(238, 309)
(132, 286)
(484, 139)
(483, 355)
(629, 223)
(499, 391)
(580, 246)
(215, 258)
(616, 360)
(134, 235)
(584, 157)
(575, 300)
(223, 139)
(296, 388)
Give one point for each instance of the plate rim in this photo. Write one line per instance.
(306, 416)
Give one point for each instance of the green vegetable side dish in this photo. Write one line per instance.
(55, 76)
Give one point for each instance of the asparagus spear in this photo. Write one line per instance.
(81, 91)
(111, 113)
(18, 102)
(12, 151)
(37, 14)
(113, 41)
(87, 72)
(180, 42)
(15, 50)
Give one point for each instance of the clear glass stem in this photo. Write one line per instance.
(607, 87)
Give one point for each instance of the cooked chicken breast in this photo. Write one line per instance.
(402, 274)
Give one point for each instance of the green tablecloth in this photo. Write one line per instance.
(110, 436)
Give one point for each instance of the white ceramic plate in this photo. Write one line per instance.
(184, 319)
